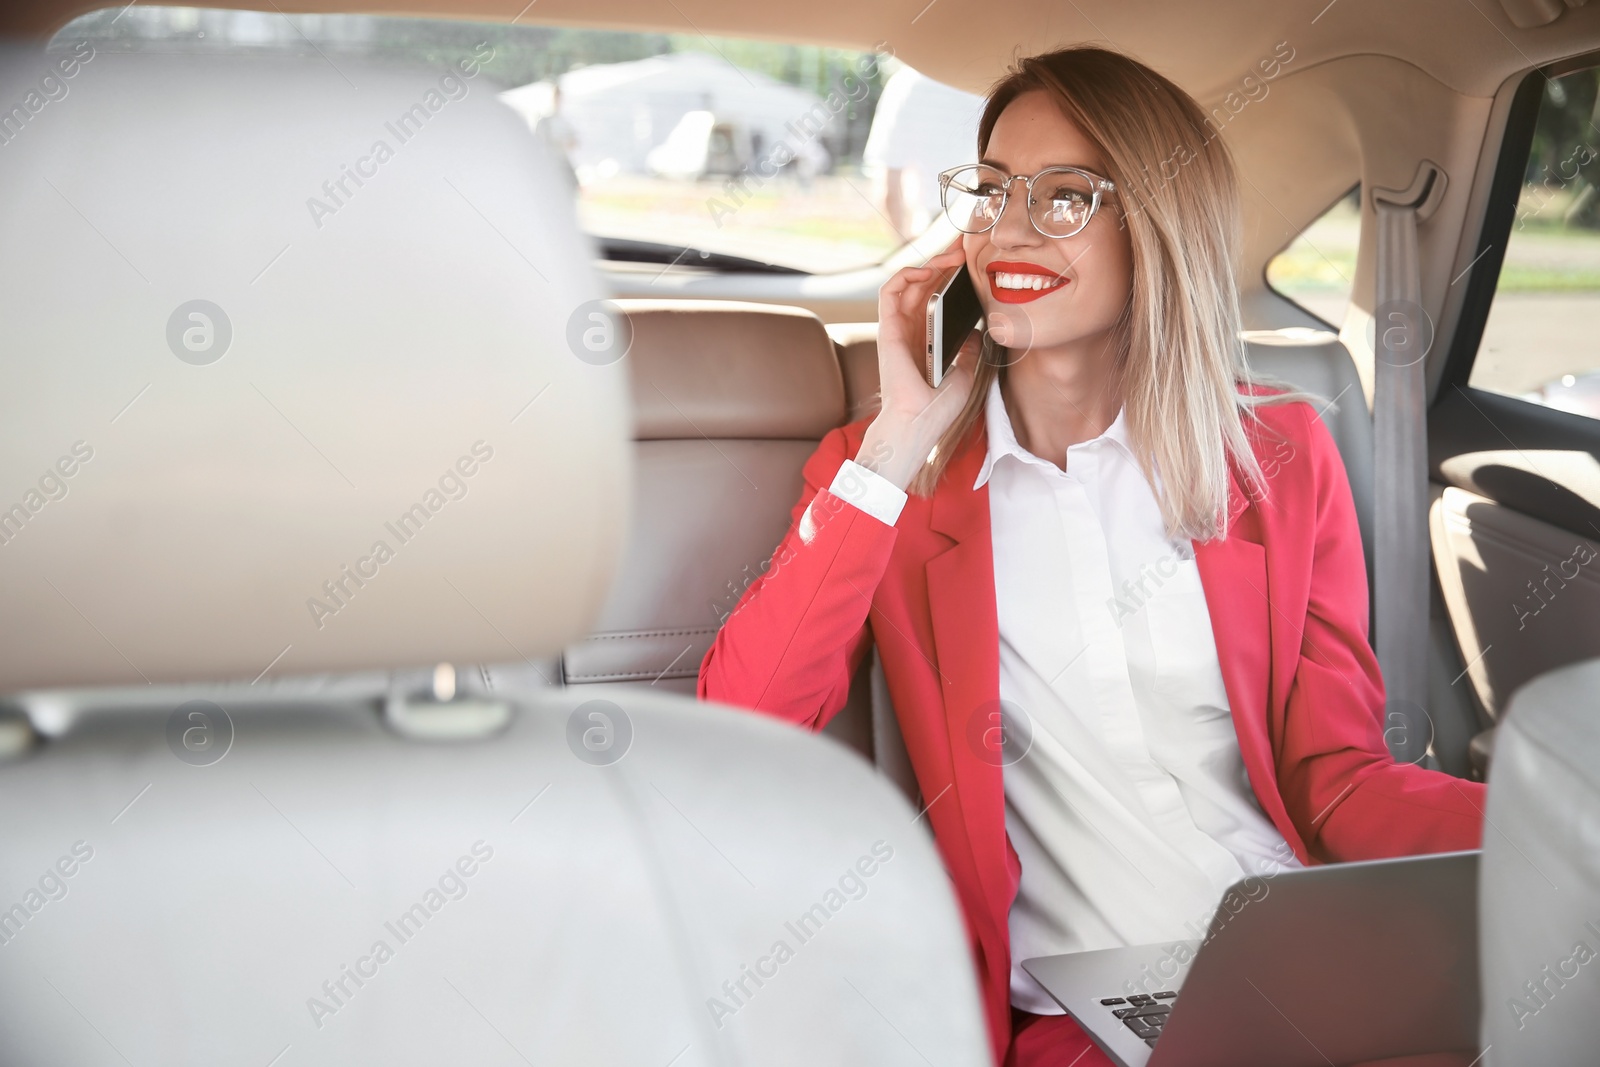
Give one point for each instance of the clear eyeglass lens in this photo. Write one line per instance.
(973, 197)
(1062, 202)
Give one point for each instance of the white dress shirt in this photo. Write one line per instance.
(1130, 812)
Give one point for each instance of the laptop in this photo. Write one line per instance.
(1336, 964)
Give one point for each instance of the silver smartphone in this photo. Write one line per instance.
(953, 310)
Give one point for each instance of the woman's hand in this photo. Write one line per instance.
(913, 415)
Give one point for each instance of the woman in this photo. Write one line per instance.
(1122, 614)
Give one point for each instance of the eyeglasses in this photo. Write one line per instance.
(1061, 200)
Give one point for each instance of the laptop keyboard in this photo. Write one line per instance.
(1143, 1013)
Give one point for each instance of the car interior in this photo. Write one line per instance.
(576, 340)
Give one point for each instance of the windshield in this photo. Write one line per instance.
(709, 152)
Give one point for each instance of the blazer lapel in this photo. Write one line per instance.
(966, 634)
(1233, 573)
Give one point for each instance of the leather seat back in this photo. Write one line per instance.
(1539, 894)
(730, 399)
(1319, 363)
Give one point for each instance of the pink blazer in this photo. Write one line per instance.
(1287, 593)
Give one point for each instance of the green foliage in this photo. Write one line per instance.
(1566, 147)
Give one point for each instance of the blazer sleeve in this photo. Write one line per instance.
(795, 639)
(1347, 795)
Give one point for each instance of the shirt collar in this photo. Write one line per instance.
(1003, 439)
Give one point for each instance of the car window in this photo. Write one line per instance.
(1318, 268)
(681, 148)
(1541, 341)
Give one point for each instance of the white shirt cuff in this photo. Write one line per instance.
(868, 491)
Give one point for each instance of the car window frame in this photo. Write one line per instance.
(1505, 191)
(1266, 280)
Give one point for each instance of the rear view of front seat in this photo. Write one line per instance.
(1539, 892)
(264, 420)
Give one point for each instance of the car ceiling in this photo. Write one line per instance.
(1470, 46)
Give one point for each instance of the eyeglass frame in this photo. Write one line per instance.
(1099, 184)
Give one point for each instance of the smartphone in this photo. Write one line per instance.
(953, 310)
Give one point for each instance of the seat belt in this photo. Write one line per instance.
(1402, 335)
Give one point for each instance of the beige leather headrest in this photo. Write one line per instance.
(288, 384)
(712, 368)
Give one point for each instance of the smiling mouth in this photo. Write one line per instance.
(1018, 283)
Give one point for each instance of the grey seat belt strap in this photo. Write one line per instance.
(1402, 337)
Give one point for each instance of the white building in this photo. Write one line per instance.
(619, 112)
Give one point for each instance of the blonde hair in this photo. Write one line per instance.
(1179, 358)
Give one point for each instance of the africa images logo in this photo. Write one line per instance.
(452, 885)
(452, 485)
(337, 191)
